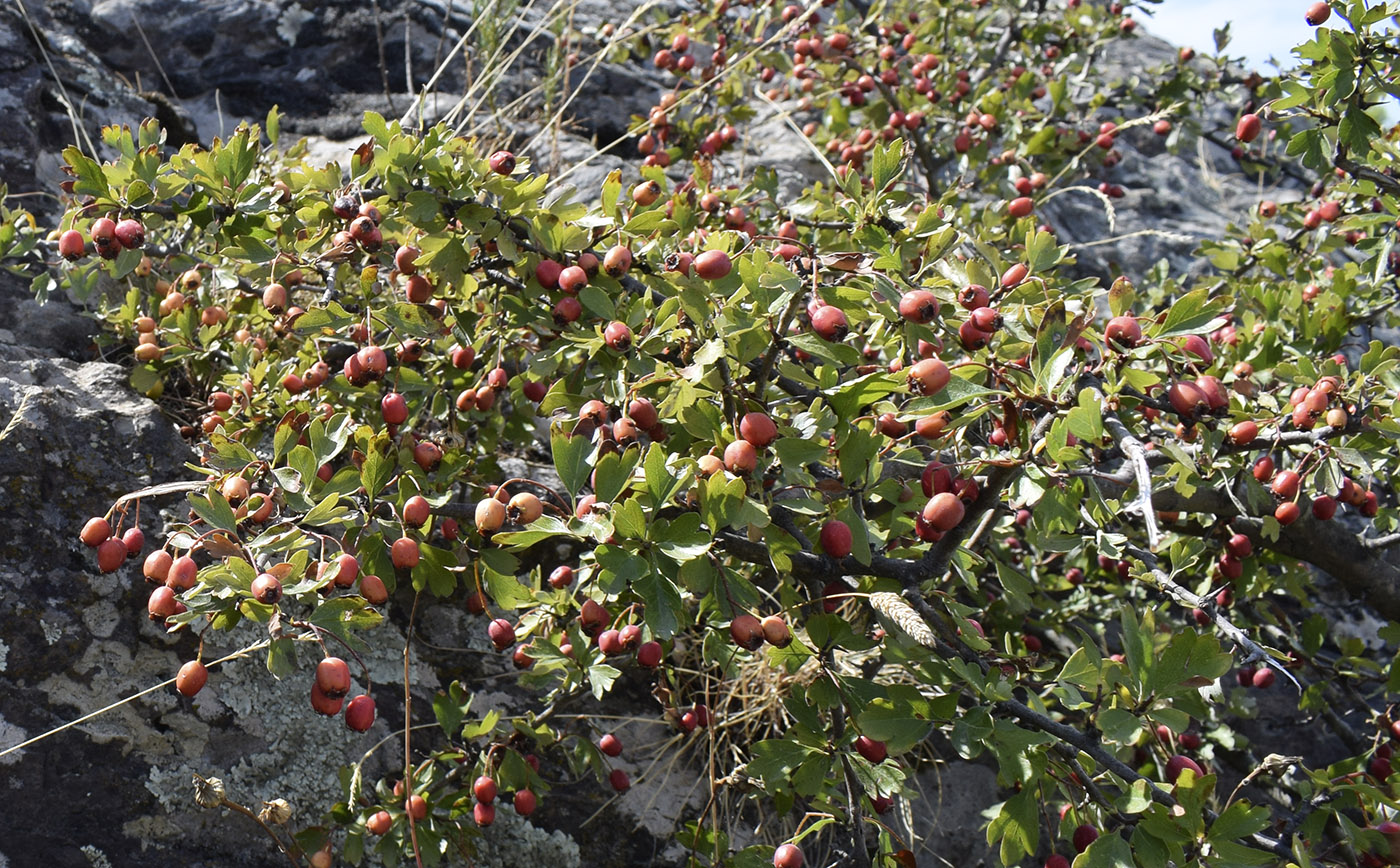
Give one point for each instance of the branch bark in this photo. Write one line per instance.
(1368, 573)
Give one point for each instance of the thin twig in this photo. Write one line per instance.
(1136, 454)
(409, 784)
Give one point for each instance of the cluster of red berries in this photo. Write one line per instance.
(109, 238)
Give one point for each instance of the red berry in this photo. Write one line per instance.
(373, 590)
(404, 553)
(71, 245)
(776, 631)
(1084, 835)
(619, 780)
(267, 589)
(973, 296)
(104, 237)
(1178, 763)
(650, 654)
(1247, 130)
(929, 376)
(394, 408)
(484, 789)
(191, 678)
(130, 233)
(919, 305)
(835, 538)
(788, 856)
(1123, 331)
(379, 823)
(944, 511)
(323, 704)
(740, 458)
(95, 532)
(618, 336)
(547, 273)
(610, 745)
(501, 633)
(873, 751)
(359, 714)
(712, 265)
(758, 429)
(502, 162)
(333, 677)
(829, 322)
(573, 279)
(1318, 13)
(746, 631)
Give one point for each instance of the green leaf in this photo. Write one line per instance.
(1080, 671)
(1017, 826)
(613, 473)
(506, 590)
(773, 760)
(1086, 420)
(612, 189)
(856, 457)
(681, 540)
(1109, 851)
(1190, 314)
(328, 511)
(543, 528)
(1119, 725)
(848, 398)
(720, 498)
(1041, 251)
(664, 607)
(629, 520)
(887, 164)
(214, 509)
(647, 221)
(570, 458)
(326, 320)
(1137, 799)
(1238, 821)
(91, 179)
(376, 471)
(451, 708)
(838, 354)
(375, 125)
(601, 677)
(662, 483)
(436, 570)
(895, 725)
(282, 657)
(253, 249)
(1120, 297)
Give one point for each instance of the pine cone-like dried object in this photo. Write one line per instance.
(275, 812)
(208, 792)
(893, 609)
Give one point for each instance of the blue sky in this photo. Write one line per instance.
(1261, 27)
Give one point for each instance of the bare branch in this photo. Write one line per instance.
(1381, 542)
(1366, 173)
(1370, 574)
(1253, 652)
(1136, 453)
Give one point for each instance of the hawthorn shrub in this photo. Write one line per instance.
(885, 442)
